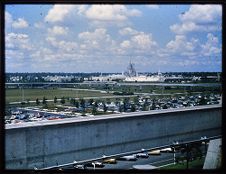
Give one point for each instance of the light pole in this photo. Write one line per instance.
(174, 156)
(187, 158)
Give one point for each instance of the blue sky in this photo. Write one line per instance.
(104, 38)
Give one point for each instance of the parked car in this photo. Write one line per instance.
(128, 158)
(167, 150)
(79, 166)
(95, 164)
(142, 155)
(110, 161)
(154, 152)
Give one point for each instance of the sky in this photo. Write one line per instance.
(105, 38)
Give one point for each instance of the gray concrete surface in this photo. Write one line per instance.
(47, 143)
(214, 154)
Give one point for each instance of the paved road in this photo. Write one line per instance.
(153, 160)
(156, 160)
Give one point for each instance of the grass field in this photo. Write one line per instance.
(15, 95)
(196, 164)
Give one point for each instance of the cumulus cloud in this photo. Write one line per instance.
(128, 31)
(192, 27)
(62, 45)
(193, 48)
(110, 12)
(58, 30)
(20, 23)
(198, 18)
(143, 41)
(17, 24)
(139, 44)
(211, 46)
(202, 13)
(125, 44)
(181, 45)
(94, 12)
(58, 13)
(18, 41)
(98, 39)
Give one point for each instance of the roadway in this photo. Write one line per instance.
(155, 160)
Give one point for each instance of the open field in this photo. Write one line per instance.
(15, 95)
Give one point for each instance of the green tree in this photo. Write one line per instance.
(72, 101)
(55, 99)
(135, 100)
(37, 101)
(120, 108)
(125, 104)
(133, 108)
(108, 101)
(202, 101)
(96, 104)
(94, 110)
(82, 103)
(76, 103)
(105, 108)
(91, 101)
(62, 101)
(44, 100)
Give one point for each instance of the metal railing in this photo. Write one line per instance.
(173, 145)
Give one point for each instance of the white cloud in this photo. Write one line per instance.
(128, 31)
(143, 41)
(138, 44)
(182, 46)
(98, 39)
(58, 13)
(62, 45)
(192, 48)
(58, 30)
(211, 46)
(18, 41)
(199, 18)
(125, 44)
(153, 6)
(110, 12)
(8, 18)
(20, 23)
(202, 13)
(98, 34)
(191, 27)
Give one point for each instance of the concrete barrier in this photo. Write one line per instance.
(48, 143)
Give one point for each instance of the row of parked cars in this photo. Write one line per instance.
(143, 103)
(133, 157)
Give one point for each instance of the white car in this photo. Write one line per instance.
(167, 150)
(142, 155)
(128, 158)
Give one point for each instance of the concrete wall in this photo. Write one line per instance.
(44, 144)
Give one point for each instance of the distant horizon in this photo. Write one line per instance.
(114, 72)
(105, 38)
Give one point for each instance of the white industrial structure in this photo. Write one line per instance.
(130, 75)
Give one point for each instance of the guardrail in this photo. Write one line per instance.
(173, 145)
